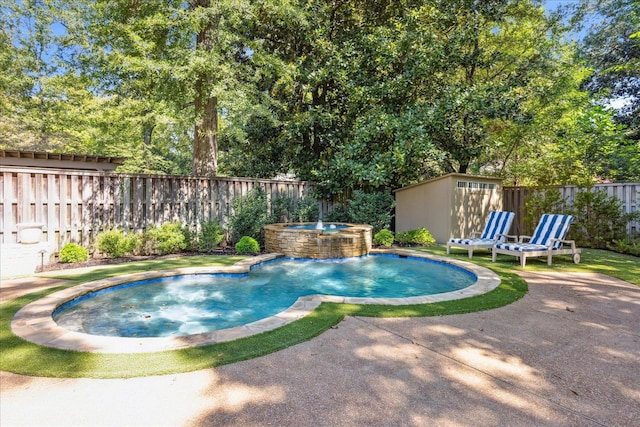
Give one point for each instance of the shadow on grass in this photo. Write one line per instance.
(22, 357)
(624, 267)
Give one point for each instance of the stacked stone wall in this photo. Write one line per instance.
(355, 240)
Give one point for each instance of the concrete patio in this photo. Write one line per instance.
(567, 354)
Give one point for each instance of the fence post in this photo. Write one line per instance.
(8, 199)
(75, 205)
(514, 199)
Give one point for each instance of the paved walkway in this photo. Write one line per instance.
(567, 354)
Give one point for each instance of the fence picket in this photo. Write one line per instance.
(75, 206)
(8, 199)
(514, 199)
(52, 224)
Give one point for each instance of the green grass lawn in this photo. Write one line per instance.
(22, 357)
(624, 267)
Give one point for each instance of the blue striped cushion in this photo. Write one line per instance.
(487, 242)
(521, 247)
(498, 223)
(551, 227)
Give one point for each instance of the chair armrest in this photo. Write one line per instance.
(522, 238)
(476, 233)
(506, 237)
(572, 243)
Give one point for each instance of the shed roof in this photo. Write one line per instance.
(450, 175)
(59, 160)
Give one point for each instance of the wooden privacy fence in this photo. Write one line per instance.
(73, 206)
(514, 199)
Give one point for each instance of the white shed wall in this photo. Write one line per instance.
(446, 210)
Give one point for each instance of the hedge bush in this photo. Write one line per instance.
(247, 246)
(420, 236)
(116, 243)
(383, 238)
(249, 215)
(211, 234)
(630, 245)
(306, 210)
(281, 209)
(541, 201)
(72, 252)
(169, 238)
(599, 219)
(374, 209)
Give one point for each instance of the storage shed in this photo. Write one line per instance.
(452, 205)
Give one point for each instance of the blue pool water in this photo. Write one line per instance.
(191, 304)
(314, 227)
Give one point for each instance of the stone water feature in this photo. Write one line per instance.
(318, 241)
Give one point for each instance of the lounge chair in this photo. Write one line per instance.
(498, 224)
(547, 240)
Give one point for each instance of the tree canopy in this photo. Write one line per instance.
(351, 94)
(612, 48)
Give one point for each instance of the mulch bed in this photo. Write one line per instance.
(96, 261)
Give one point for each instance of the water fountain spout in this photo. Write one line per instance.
(319, 225)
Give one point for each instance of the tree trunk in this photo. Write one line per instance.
(205, 138)
(147, 133)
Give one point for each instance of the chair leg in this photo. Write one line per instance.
(523, 260)
(470, 252)
(448, 248)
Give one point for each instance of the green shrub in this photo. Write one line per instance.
(306, 210)
(72, 252)
(339, 212)
(116, 243)
(247, 246)
(211, 234)
(249, 215)
(190, 239)
(599, 219)
(374, 209)
(629, 246)
(403, 237)
(281, 208)
(383, 238)
(541, 201)
(169, 238)
(420, 236)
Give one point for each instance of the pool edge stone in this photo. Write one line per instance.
(34, 321)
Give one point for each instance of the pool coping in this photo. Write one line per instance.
(34, 322)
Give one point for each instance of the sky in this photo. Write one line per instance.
(552, 5)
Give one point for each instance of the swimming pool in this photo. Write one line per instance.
(34, 322)
(194, 304)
